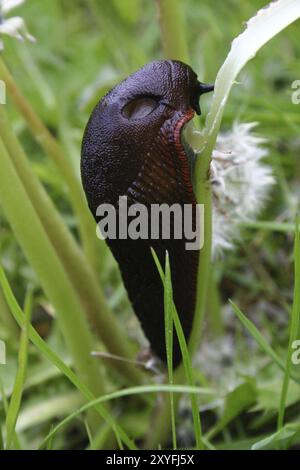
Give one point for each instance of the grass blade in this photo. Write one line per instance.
(261, 340)
(37, 247)
(53, 149)
(187, 365)
(142, 389)
(294, 328)
(16, 397)
(283, 436)
(168, 305)
(43, 347)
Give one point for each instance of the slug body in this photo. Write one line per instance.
(133, 147)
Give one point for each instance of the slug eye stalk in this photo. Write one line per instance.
(195, 99)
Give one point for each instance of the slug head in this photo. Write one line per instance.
(123, 126)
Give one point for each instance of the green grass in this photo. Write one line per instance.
(16, 396)
(55, 360)
(294, 329)
(169, 331)
(172, 318)
(241, 379)
(261, 341)
(123, 393)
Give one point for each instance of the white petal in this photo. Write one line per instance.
(16, 27)
(8, 5)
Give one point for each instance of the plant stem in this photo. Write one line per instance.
(215, 307)
(80, 274)
(50, 271)
(203, 195)
(54, 151)
(172, 27)
(294, 329)
(18, 388)
(160, 431)
(6, 319)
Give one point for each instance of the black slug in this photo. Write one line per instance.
(133, 147)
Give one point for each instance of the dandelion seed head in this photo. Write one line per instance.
(241, 182)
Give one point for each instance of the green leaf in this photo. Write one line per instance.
(283, 437)
(16, 398)
(240, 399)
(266, 24)
(261, 340)
(45, 411)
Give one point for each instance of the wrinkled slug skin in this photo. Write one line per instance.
(135, 150)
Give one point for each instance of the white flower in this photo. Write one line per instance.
(8, 5)
(240, 182)
(14, 26)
